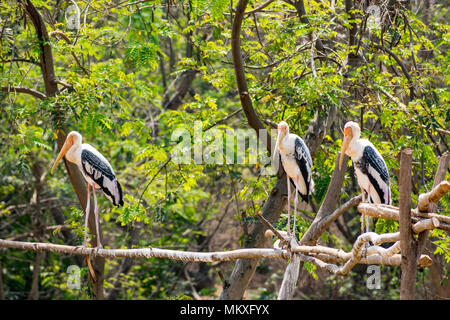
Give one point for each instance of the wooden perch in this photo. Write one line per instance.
(359, 254)
(320, 255)
(428, 224)
(392, 213)
(149, 252)
(433, 196)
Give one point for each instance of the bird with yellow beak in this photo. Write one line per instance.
(370, 169)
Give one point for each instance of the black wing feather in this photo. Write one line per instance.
(304, 162)
(377, 163)
(87, 157)
(371, 159)
(97, 163)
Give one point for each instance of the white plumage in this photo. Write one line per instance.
(370, 168)
(97, 171)
(297, 164)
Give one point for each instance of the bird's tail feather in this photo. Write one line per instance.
(119, 196)
(303, 196)
(311, 187)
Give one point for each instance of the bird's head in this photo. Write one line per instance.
(283, 130)
(351, 131)
(73, 138)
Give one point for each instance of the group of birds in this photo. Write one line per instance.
(370, 168)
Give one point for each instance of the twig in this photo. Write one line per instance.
(269, 225)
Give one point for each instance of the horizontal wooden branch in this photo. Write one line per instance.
(19, 60)
(424, 215)
(29, 91)
(433, 196)
(443, 131)
(392, 213)
(149, 252)
(321, 256)
(428, 224)
(389, 252)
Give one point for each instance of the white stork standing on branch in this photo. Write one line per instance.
(371, 170)
(96, 170)
(297, 164)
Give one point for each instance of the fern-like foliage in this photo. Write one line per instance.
(142, 55)
(98, 120)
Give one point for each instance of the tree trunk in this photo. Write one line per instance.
(34, 292)
(245, 268)
(76, 178)
(407, 241)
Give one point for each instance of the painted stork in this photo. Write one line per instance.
(96, 170)
(297, 164)
(371, 170)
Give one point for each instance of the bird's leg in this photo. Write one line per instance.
(366, 217)
(289, 205)
(99, 245)
(87, 215)
(363, 193)
(369, 198)
(295, 205)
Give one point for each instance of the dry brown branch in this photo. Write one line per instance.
(389, 252)
(320, 255)
(291, 274)
(148, 252)
(257, 9)
(29, 91)
(433, 196)
(443, 131)
(271, 229)
(427, 224)
(441, 218)
(407, 241)
(392, 213)
(359, 254)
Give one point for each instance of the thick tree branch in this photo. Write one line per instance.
(433, 196)
(29, 91)
(148, 252)
(301, 11)
(51, 89)
(392, 213)
(246, 102)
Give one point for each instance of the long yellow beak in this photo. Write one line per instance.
(67, 144)
(276, 147)
(344, 147)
